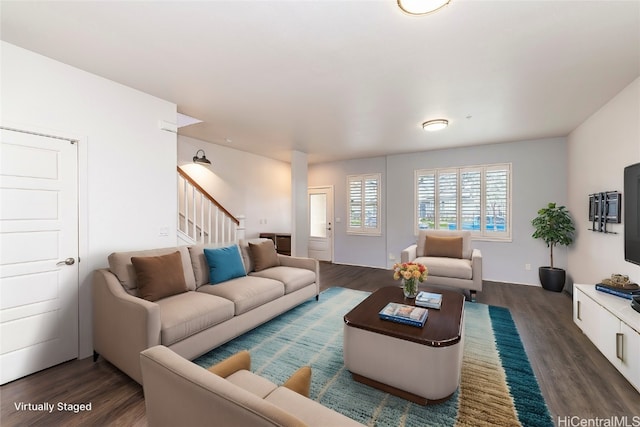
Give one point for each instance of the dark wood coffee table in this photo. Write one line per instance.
(418, 364)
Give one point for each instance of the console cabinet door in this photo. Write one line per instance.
(598, 324)
(629, 365)
(587, 316)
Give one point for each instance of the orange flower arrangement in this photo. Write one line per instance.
(410, 270)
(411, 273)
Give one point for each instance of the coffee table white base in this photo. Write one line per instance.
(425, 374)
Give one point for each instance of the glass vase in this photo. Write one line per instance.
(410, 288)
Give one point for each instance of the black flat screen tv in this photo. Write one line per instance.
(632, 213)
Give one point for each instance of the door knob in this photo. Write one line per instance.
(68, 261)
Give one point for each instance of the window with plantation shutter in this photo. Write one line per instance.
(470, 198)
(496, 199)
(426, 200)
(364, 204)
(474, 198)
(448, 199)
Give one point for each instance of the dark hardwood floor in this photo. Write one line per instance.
(575, 379)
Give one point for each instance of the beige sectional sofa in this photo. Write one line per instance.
(449, 257)
(193, 322)
(179, 392)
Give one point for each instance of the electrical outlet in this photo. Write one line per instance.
(527, 267)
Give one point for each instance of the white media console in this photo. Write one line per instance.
(613, 326)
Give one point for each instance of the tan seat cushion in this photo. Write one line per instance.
(253, 383)
(443, 246)
(247, 292)
(309, 411)
(263, 255)
(159, 276)
(447, 267)
(187, 314)
(293, 278)
(300, 381)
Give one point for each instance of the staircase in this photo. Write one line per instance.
(201, 219)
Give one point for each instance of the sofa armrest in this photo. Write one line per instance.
(178, 392)
(476, 269)
(123, 325)
(409, 254)
(302, 262)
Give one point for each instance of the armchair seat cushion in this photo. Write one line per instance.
(246, 292)
(293, 278)
(458, 268)
(309, 411)
(187, 314)
(253, 383)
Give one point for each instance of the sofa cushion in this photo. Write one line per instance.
(458, 268)
(224, 264)
(247, 292)
(443, 246)
(263, 255)
(120, 265)
(292, 277)
(246, 255)
(199, 262)
(159, 276)
(465, 234)
(187, 314)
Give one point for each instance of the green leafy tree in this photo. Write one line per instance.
(555, 226)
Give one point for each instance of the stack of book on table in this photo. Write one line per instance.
(617, 291)
(402, 313)
(429, 300)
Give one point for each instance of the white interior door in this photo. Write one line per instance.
(320, 201)
(38, 253)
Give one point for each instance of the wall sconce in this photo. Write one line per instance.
(202, 160)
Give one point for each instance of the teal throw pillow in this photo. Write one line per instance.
(224, 264)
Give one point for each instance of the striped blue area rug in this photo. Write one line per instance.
(498, 387)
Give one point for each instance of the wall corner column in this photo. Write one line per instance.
(299, 205)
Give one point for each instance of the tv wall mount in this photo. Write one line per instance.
(605, 208)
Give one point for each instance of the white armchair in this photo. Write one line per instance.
(449, 257)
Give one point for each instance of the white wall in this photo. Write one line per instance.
(127, 164)
(352, 249)
(599, 149)
(244, 183)
(538, 177)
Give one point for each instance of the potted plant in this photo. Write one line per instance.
(555, 226)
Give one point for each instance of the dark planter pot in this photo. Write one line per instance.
(552, 279)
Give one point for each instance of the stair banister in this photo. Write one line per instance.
(199, 220)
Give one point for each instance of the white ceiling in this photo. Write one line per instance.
(349, 79)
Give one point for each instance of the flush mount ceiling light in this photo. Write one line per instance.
(201, 160)
(421, 7)
(433, 125)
